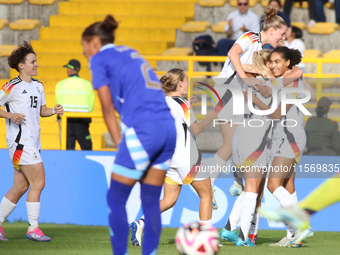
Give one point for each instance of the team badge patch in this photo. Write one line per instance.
(35, 156)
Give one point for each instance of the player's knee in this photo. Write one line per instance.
(21, 189)
(38, 185)
(169, 203)
(272, 186)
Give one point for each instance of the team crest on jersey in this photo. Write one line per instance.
(38, 90)
(35, 156)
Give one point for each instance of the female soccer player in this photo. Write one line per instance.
(187, 159)
(24, 101)
(250, 157)
(288, 142)
(127, 83)
(273, 31)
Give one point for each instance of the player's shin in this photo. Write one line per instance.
(119, 231)
(153, 226)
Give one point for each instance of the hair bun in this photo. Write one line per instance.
(269, 12)
(110, 23)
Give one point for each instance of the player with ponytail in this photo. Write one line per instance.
(127, 84)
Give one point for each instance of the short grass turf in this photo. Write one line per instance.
(74, 239)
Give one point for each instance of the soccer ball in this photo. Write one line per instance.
(197, 238)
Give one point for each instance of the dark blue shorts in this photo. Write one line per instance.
(150, 144)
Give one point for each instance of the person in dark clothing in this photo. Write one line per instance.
(323, 136)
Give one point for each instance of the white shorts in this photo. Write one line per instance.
(186, 175)
(24, 155)
(249, 146)
(249, 152)
(294, 149)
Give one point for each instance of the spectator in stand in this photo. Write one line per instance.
(238, 22)
(277, 5)
(320, 13)
(294, 41)
(323, 136)
(287, 8)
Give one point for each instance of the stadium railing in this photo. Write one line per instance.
(191, 73)
(67, 115)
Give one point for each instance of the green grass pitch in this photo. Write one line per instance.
(74, 239)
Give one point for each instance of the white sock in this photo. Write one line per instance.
(254, 224)
(141, 221)
(291, 230)
(247, 210)
(6, 207)
(218, 164)
(33, 211)
(284, 197)
(206, 222)
(234, 216)
(286, 200)
(295, 199)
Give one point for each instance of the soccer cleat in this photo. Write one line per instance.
(2, 235)
(284, 242)
(136, 233)
(294, 216)
(214, 203)
(37, 235)
(253, 237)
(230, 236)
(310, 232)
(299, 236)
(247, 242)
(236, 189)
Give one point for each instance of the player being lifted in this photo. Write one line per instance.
(24, 101)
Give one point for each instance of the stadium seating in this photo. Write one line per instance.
(304, 5)
(195, 26)
(300, 25)
(310, 53)
(332, 54)
(3, 23)
(219, 27)
(323, 28)
(42, 2)
(25, 24)
(6, 50)
(211, 3)
(11, 1)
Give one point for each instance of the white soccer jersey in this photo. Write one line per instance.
(294, 114)
(249, 42)
(18, 96)
(186, 152)
(289, 134)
